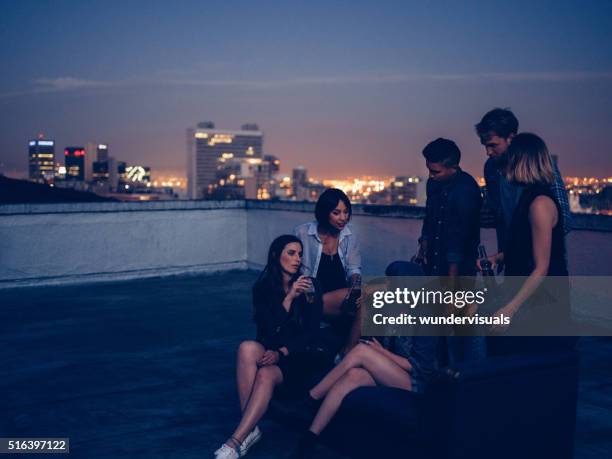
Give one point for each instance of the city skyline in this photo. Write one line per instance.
(342, 89)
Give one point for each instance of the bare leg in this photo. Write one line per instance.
(332, 302)
(266, 380)
(352, 379)
(384, 371)
(249, 352)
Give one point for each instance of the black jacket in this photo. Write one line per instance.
(294, 329)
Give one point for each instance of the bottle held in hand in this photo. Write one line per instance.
(310, 293)
(485, 264)
(349, 305)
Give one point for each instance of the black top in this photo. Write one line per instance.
(519, 254)
(331, 273)
(452, 224)
(276, 327)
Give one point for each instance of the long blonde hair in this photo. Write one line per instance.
(529, 161)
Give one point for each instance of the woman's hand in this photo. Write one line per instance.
(398, 360)
(375, 344)
(506, 311)
(302, 284)
(269, 358)
(493, 259)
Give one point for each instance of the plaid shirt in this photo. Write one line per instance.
(452, 225)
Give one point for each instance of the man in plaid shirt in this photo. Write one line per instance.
(496, 130)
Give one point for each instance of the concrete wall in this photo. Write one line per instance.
(46, 244)
(62, 243)
(382, 239)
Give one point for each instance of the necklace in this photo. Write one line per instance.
(324, 239)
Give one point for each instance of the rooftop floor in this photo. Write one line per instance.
(145, 369)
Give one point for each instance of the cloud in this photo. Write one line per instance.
(70, 83)
(67, 83)
(60, 84)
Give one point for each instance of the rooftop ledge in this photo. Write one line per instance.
(42, 244)
(590, 222)
(148, 206)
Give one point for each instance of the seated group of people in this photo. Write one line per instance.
(309, 320)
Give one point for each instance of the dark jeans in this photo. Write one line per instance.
(458, 348)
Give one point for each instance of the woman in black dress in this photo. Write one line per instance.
(287, 322)
(536, 244)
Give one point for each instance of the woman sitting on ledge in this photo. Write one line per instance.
(286, 324)
(332, 256)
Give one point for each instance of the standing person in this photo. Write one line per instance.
(451, 233)
(332, 256)
(496, 131)
(450, 236)
(535, 246)
(286, 324)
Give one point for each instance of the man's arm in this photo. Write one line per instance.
(426, 228)
(464, 215)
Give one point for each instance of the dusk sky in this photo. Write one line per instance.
(342, 87)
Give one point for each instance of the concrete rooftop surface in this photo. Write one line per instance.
(145, 369)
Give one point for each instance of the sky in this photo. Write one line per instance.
(344, 88)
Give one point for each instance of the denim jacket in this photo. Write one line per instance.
(348, 249)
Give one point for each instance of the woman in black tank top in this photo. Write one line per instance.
(536, 245)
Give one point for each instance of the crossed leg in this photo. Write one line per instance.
(351, 380)
(363, 366)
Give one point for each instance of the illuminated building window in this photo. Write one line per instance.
(220, 138)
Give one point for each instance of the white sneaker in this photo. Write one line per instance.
(226, 452)
(253, 437)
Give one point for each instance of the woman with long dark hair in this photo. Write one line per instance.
(332, 256)
(287, 322)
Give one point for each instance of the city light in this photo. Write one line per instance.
(220, 138)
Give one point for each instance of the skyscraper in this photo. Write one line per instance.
(205, 145)
(102, 152)
(90, 157)
(41, 153)
(75, 163)
(100, 167)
